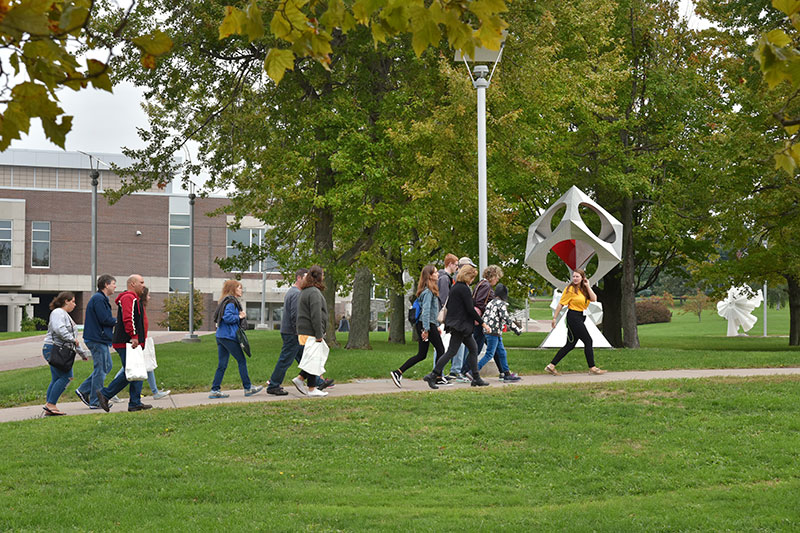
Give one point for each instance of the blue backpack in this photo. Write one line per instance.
(414, 312)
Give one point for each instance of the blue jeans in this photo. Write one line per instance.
(496, 350)
(102, 365)
(120, 382)
(291, 350)
(226, 348)
(58, 379)
(458, 360)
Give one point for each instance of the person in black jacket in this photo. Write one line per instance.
(459, 322)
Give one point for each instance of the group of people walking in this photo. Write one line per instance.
(465, 320)
(456, 320)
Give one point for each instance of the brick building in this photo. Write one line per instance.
(45, 240)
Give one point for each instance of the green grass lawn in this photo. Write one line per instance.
(690, 455)
(7, 335)
(682, 343)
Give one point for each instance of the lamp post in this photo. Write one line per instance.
(191, 337)
(94, 174)
(480, 81)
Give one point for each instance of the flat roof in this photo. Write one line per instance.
(21, 157)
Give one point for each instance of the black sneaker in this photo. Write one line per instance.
(324, 383)
(479, 383)
(431, 380)
(102, 401)
(140, 407)
(83, 398)
(396, 377)
(277, 391)
(443, 381)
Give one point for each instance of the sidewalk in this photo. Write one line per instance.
(26, 352)
(385, 386)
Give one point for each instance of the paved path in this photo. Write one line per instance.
(381, 386)
(26, 352)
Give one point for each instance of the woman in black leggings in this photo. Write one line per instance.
(427, 325)
(461, 316)
(576, 297)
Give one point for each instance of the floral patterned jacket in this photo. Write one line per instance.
(497, 316)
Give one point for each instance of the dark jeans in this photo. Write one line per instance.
(120, 382)
(456, 339)
(226, 347)
(422, 352)
(480, 339)
(290, 351)
(576, 330)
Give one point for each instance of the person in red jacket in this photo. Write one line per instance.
(131, 328)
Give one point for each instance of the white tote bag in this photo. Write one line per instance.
(150, 355)
(315, 354)
(134, 363)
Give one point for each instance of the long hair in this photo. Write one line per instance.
(425, 280)
(314, 278)
(229, 288)
(145, 292)
(61, 299)
(467, 274)
(580, 287)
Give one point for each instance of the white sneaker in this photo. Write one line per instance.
(301, 385)
(161, 394)
(316, 393)
(117, 399)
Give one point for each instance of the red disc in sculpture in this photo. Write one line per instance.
(566, 250)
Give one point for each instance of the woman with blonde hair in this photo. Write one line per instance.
(459, 321)
(576, 297)
(229, 317)
(427, 326)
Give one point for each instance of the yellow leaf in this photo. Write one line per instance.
(156, 44)
(791, 130)
(278, 62)
(778, 38)
(785, 162)
(73, 18)
(98, 74)
(280, 26)
(255, 24)
(790, 7)
(378, 33)
(428, 34)
(232, 23)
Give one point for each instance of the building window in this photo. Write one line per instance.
(248, 237)
(5, 243)
(40, 244)
(179, 250)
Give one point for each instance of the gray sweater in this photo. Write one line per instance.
(60, 328)
(312, 313)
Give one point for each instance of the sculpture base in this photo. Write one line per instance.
(558, 337)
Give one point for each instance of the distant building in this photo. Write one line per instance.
(45, 240)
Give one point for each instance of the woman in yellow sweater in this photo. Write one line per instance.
(576, 297)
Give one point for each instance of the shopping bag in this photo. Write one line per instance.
(315, 354)
(135, 369)
(150, 363)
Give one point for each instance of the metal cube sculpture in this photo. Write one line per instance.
(576, 245)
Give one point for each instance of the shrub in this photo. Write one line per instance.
(650, 312)
(32, 323)
(176, 307)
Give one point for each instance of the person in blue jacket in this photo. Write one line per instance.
(98, 326)
(229, 317)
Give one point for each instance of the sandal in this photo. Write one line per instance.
(552, 369)
(597, 371)
(52, 412)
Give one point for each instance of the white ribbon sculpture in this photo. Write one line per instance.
(737, 307)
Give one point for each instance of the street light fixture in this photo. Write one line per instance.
(95, 175)
(480, 82)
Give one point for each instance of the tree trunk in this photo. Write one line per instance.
(397, 301)
(794, 310)
(611, 298)
(323, 246)
(630, 332)
(359, 324)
